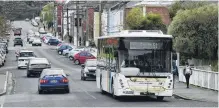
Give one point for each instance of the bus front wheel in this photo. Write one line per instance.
(113, 92)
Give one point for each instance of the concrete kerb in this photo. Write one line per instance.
(5, 85)
(187, 98)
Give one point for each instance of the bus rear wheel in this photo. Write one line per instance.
(101, 88)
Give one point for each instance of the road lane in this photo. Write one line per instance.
(82, 93)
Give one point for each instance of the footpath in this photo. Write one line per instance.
(3, 83)
(194, 93)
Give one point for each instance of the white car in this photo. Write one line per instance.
(36, 42)
(3, 55)
(65, 52)
(41, 30)
(27, 19)
(37, 34)
(89, 69)
(22, 62)
(1, 61)
(35, 66)
(73, 52)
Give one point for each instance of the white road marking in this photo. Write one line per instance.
(67, 72)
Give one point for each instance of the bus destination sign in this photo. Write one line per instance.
(146, 45)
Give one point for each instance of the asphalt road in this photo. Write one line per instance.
(82, 93)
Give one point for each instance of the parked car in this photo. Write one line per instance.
(74, 51)
(53, 79)
(53, 41)
(89, 69)
(18, 41)
(46, 39)
(3, 56)
(27, 19)
(82, 56)
(36, 42)
(36, 65)
(41, 30)
(57, 47)
(63, 47)
(1, 61)
(4, 46)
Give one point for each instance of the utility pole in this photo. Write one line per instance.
(77, 14)
(72, 26)
(100, 19)
(87, 25)
(62, 33)
(108, 21)
(67, 22)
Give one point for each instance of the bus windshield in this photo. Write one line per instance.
(148, 56)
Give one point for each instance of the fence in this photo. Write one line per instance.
(201, 78)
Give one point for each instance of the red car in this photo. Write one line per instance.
(81, 57)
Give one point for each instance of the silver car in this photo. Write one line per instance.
(35, 66)
(89, 69)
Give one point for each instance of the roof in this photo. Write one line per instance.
(53, 71)
(23, 50)
(25, 57)
(39, 61)
(139, 33)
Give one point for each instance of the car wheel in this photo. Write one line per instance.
(3, 64)
(40, 45)
(18, 67)
(40, 91)
(22, 45)
(60, 52)
(28, 74)
(67, 90)
(71, 58)
(77, 62)
(32, 45)
(14, 45)
(160, 98)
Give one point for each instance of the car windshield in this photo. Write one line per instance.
(26, 54)
(91, 63)
(53, 40)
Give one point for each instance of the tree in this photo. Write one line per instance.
(48, 13)
(134, 18)
(136, 21)
(195, 32)
(183, 5)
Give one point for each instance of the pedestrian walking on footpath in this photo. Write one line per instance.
(175, 73)
(187, 73)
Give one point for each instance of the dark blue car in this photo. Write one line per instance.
(63, 47)
(53, 79)
(53, 41)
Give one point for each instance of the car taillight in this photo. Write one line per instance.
(65, 80)
(42, 81)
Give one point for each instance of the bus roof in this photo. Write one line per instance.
(139, 33)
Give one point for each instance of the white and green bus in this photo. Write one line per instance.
(135, 63)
